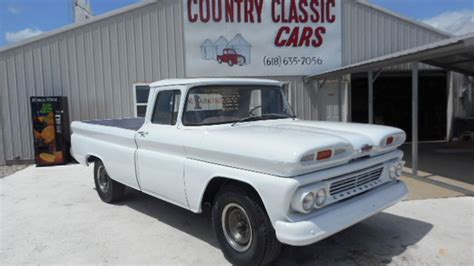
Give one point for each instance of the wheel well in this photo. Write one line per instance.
(218, 182)
(91, 159)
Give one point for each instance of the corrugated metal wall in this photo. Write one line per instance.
(96, 64)
(93, 65)
(368, 33)
(302, 97)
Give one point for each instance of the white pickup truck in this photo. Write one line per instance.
(235, 144)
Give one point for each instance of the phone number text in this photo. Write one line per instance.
(292, 61)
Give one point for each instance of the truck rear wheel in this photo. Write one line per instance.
(242, 228)
(108, 189)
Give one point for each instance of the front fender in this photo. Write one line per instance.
(275, 192)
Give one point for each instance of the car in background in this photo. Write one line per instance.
(231, 57)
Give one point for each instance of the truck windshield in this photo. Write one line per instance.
(211, 105)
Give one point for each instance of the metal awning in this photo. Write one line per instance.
(456, 54)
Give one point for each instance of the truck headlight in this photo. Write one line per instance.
(392, 171)
(307, 201)
(396, 170)
(399, 169)
(320, 197)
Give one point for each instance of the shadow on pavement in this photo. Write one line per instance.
(197, 225)
(374, 241)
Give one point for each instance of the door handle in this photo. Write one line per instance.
(142, 133)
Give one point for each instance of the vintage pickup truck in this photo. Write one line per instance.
(234, 144)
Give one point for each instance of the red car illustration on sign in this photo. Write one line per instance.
(231, 57)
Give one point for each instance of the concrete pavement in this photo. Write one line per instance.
(53, 215)
(424, 188)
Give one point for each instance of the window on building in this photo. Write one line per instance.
(141, 91)
(166, 107)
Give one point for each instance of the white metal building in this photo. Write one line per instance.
(104, 63)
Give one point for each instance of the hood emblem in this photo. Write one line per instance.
(366, 148)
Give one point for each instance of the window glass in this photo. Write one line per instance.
(166, 107)
(141, 111)
(228, 104)
(141, 93)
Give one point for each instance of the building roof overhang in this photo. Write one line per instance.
(455, 54)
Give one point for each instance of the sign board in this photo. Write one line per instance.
(261, 37)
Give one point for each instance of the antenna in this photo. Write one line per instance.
(70, 11)
(82, 10)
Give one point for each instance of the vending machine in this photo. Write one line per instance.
(51, 132)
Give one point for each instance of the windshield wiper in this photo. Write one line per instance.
(277, 115)
(261, 117)
(245, 119)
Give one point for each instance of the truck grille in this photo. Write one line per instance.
(353, 184)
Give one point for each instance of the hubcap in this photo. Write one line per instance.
(103, 179)
(237, 227)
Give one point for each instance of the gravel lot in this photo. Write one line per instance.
(53, 215)
(6, 170)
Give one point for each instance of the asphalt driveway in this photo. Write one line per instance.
(53, 215)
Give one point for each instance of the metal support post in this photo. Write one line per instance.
(339, 97)
(371, 96)
(414, 119)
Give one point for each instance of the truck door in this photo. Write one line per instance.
(160, 155)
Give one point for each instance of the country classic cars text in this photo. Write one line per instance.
(285, 12)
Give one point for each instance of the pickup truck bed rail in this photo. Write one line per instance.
(125, 123)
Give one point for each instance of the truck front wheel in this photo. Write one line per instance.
(242, 228)
(108, 189)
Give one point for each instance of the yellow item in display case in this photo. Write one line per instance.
(47, 157)
(50, 119)
(48, 134)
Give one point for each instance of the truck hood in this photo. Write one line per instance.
(277, 147)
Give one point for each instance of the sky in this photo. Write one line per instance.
(22, 19)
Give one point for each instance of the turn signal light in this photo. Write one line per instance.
(324, 155)
(389, 140)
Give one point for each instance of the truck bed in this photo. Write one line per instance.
(125, 123)
(111, 140)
